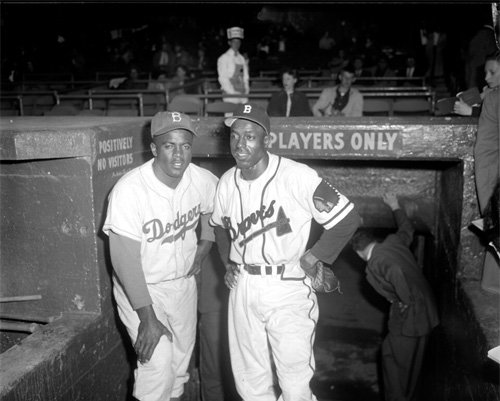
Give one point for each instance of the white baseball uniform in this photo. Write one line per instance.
(163, 220)
(269, 222)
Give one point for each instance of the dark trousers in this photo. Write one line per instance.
(402, 359)
(216, 377)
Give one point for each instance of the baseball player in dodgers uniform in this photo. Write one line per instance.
(266, 204)
(151, 220)
(232, 68)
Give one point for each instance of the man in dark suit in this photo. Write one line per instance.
(393, 272)
(289, 102)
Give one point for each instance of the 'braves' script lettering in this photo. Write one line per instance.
(242, 228)
(177, 229)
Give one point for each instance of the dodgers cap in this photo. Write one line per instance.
(166, 121)
(251, 112)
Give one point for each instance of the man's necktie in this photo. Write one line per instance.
(288, 104)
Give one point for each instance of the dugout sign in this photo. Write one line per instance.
(342, 142)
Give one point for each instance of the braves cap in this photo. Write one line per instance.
(235, 33)
(251, 112)
(166, 121)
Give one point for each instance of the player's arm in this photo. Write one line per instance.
(126, 260)
(332, 241)
(207, 238)
(223, 241)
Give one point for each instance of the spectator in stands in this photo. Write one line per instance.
(411, 70)
(162, 58)
(232, 68)
(492, 78)
(182, 56)
(382, 69)
(482, 44)
(158, 82)
(289, 102)
(132, 80)
(340, 100)
(180, 78)
(359, 69)
(326, 45)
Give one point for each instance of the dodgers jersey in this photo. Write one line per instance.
(162, 219)
(269, 218)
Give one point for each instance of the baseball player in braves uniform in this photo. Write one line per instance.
(266, 204)
(232, 68)
(151, 220)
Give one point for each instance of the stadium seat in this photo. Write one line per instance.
(417, 106)
(219, 108)
(376, 107)
(62, 110)
(187, 104)
(122, 113)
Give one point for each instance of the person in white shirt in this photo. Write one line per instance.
(232, 69)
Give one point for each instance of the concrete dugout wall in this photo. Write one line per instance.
(56, 174)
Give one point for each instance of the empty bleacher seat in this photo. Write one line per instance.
(412, 106)
(376, 107)
(62, 110)
(187, 104)
(219, 108)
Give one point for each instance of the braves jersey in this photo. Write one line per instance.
(269, 218)
(162, 219)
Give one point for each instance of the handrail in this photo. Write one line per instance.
(19, 99)
(308, 80)
(91, 96)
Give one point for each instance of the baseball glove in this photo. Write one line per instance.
(322, 278)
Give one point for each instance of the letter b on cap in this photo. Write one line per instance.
(247, 109)
(176, 117)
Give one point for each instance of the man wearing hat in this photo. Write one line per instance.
(265, 204)
(232, 68)
(151, 219)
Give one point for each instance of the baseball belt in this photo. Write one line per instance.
(259, 269)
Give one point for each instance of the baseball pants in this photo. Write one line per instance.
(267, 309)
(174, 303)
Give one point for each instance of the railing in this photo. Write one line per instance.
(91, 97)
(142, 98)
(318, 81)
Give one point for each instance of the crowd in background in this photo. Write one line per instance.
(270, 43)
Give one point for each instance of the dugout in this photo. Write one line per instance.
(56, 174)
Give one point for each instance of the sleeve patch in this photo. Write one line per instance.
(326, 197)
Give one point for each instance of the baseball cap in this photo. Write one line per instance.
(251, 112)
(235, 33)
(166, 121)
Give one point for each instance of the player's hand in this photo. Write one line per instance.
(195, 268)
(231, 276)
(462, 108)
(308, 263)
(391, 200)
(149, 334)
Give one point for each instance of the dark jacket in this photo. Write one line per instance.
(300, 105)
(393, 272)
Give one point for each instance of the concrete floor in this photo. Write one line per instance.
(349, 334)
